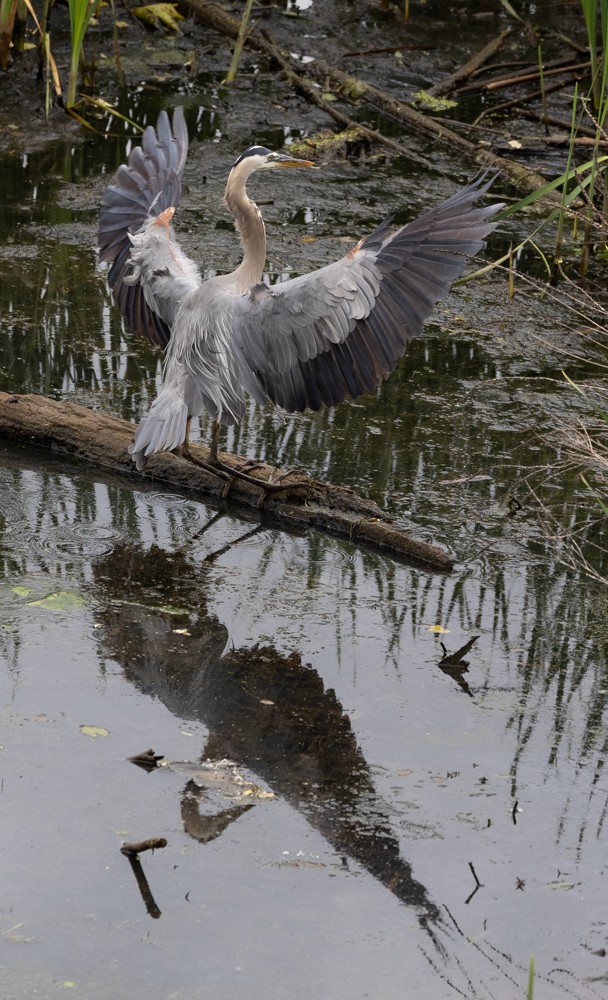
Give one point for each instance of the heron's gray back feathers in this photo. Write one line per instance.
(140, 191)
(339, 331)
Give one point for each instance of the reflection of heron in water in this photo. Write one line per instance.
(268, 712)
(273, 716)
(305, 343)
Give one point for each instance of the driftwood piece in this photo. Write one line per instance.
(355, 89)
(306, 503)
(467, 69)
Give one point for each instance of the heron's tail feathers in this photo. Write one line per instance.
(164, 427)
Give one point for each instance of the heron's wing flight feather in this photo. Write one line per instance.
(149, 274)
(339, 331)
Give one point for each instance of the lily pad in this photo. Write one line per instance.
(62, 600)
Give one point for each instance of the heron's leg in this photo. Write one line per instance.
(214, 468)
(215, 442)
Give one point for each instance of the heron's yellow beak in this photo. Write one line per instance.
(290, 161)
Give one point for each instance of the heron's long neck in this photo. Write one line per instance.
(250, 226)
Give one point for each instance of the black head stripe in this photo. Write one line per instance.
(252, 151)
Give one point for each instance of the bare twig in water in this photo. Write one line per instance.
(144, 888)
(512, 81)
(152, 844)
(474, 873)
(478, 885)
(388, 50)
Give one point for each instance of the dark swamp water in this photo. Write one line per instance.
(328, 786)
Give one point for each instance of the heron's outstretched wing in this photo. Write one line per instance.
(339, 331)
(149, 273)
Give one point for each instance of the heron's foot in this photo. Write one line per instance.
(269, 487)
(230, 474)
(249, 464)
(220, 472)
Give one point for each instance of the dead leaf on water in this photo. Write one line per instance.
(21, 591)
(94, 731)
(439, 629)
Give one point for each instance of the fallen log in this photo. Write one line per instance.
(305, 503)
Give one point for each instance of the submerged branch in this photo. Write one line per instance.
(306, 503)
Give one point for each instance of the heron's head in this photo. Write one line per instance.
(260, 158)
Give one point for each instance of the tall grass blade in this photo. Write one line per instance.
(81, 12)
(8, 9)
(240, 41)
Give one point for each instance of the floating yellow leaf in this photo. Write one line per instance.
(63, 600)
(94, 731)
(438, 629)
(160, 13)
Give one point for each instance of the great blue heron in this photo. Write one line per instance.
(305, 343)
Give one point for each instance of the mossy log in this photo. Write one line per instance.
(97, 437)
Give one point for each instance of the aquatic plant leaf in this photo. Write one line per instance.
(94, 731)
(426, 100)
(154, 14)
(62, 600)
